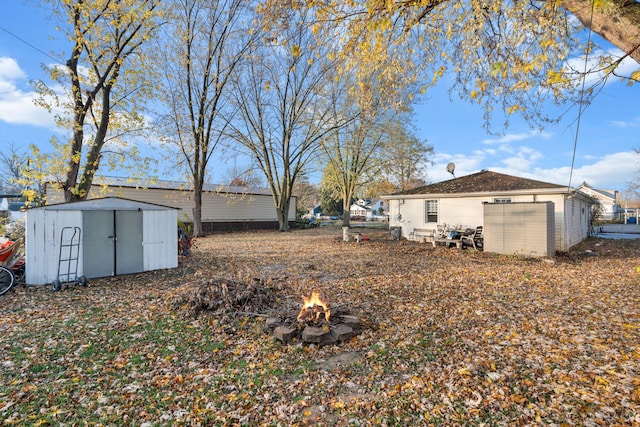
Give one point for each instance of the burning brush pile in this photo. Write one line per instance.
(315, 324)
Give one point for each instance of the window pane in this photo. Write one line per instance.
(431, 210)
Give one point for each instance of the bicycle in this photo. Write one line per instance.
(11, 265)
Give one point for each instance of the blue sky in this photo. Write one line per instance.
(609, 128)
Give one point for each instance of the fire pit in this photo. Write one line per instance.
(315, 324)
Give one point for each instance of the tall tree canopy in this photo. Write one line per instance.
(281, 100)
(105, 80)
(508, 56)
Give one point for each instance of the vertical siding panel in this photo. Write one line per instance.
(43, 243)
(160, 241)
(519, 228)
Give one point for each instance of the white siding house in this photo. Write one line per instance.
(367, 209)
(223, 207)
(460, 202)
(98, 238)
(607, 199)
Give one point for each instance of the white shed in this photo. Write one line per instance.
(113, 236)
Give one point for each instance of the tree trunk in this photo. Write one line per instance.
(283, 214)
(93, 157)
(346, 214)
(197, 212)
(619, 23)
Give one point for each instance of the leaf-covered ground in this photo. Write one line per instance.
(450, 338)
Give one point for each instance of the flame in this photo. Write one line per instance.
(314, 306)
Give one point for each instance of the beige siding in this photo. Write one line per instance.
(519, 228)
(216, 207)
(576, 217)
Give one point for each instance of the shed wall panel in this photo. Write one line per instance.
(160, 240)
(44, 225)
(42, 247)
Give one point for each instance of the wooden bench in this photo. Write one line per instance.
(448, 242)
(423, 234)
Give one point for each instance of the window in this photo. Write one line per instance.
(502, 200)
(431, 211)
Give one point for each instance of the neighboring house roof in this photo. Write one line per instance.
(112, 181)
(600, 194)
(356, 206)
(482, 182)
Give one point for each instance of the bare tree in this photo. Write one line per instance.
(406, 156)
(208, 40)
(282, 106)
(13, 164)
(353, 152)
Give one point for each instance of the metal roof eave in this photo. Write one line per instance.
(104, 203)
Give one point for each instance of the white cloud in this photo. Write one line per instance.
(610, 172)
(464, 165)
(626, 124)
(595, 70)
(10, 70)
(16, 103)
(512, 137)
(524, 159)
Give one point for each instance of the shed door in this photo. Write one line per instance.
(128, 242)
(112, 243)
(98, 236)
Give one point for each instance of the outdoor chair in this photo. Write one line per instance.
(475, 239)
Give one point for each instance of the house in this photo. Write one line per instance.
(518, 215)
(368, 209)
(314, 212)
(13, 211)
(359, 210)
(98, 238)
(224, 208)
(608, 200)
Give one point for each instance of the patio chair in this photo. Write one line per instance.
(475, 239)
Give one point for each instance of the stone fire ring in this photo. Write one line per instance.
(345, 327)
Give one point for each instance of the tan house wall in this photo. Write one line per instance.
(224, 208)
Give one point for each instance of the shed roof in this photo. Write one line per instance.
(113, 181)
(483, 182)
(104, 203)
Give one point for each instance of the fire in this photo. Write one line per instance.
(314, 308)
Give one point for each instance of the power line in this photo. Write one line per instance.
(30, 45)
(581, 102)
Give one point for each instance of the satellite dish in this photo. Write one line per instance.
(450, 168)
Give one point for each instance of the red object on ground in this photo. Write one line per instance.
(5, 250)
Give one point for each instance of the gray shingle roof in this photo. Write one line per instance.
(481, 182)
